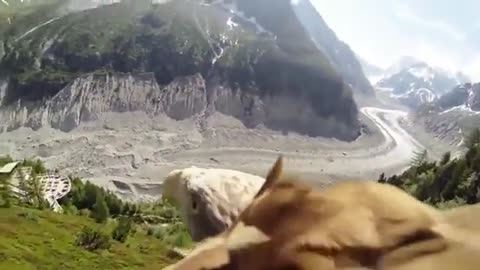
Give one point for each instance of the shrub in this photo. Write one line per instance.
(5, 193)
(28, 216)
(123, 229)
(173, 234)
(92, 239)
(100, 210)
(70, 210)
(84, 212)
(150, 231)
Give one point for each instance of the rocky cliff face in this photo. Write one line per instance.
(182, 58)
(91, 95)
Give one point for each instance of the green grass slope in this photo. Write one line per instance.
(34, 239)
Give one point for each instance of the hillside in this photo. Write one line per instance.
(93, 228)
(34, 239)
(234, 56)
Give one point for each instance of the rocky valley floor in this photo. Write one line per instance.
(131, 153)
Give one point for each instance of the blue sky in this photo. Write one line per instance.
(444, 33)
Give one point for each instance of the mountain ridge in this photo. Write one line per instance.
(339, 54)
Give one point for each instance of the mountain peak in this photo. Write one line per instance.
(413, 82)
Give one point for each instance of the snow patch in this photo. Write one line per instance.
(462, 108)
(386, 89)
(471, 96)
(36, 27)
(232, 7)
(231, 24)
(425, 95)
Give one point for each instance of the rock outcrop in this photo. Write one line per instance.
(210, 199)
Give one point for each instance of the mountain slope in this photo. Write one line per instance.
(466, 96)
(339, 54)
(244, 61)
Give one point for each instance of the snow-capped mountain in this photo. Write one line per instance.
(418, 83)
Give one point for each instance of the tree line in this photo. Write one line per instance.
(100, 202)
(450, 182)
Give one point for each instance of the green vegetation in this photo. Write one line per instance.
(131, 36)
(123, 229)
(100, 210)
(96, 230)
(40, 239)
(93, 239)
(445, 184)
(6, 196)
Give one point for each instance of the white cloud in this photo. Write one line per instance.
(434, 55)
(383, 31)
(403, 11)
